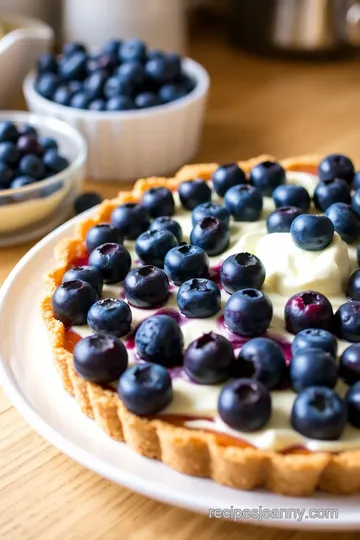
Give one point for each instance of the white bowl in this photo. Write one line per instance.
(33, 210)
(134, 144)
(19, 50)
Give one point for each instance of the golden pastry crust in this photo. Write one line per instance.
(190, 451)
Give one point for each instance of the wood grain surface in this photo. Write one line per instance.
(256, 106)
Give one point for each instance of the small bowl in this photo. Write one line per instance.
(133, 144)
(33, 210)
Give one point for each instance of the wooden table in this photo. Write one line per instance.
(256, 106)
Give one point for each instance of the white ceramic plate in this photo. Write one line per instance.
(29, 379)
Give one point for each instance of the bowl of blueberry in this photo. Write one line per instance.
(141, 110)
(42, 166)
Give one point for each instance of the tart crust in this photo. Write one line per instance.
(190, 451)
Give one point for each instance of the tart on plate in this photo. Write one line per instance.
(199, 319)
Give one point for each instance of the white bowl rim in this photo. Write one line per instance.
(41, 120)
(190, 66)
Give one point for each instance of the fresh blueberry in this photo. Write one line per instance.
(166, 223)
(29, 144)
(9, 154)
(102, 233)
(48, 143)
(267, 176)
(308, 309)
(208, 358)
(46, 63)
(280, 220)
(75, 86)
(349, 368)
(132, 50)
(110, 316)
(188, 82)
(100, 358)
(212, 235)
(336, 166)
(72, 300)
(227, 176)
(331, 191)
(161, 70)
(119, 103)
(312, 367)
(210, 209)
(131, 218)
(134, 71)
(199, 298)
(22, 181)
(80, 100)
(174, 62)
(291, 195)
(145, 389)
(245, 405)
(261, 359)
(6, 176)
(85, 201)
(113, 261)
(346, 221)
(353, 286)
(8, 131)
(62, 95)
(352, 400)
(97, 105)
(146, 287)
(94, 84)
(160, 340)
(248, 312)
(315, 338)
(312, 233)
(319, 413)
(32, 165)
(73, 68)
(194, 192)
(54, 162)
(46, 84)
(347, 321)
(158, 201)
(152, 246)
(89, 274)
(241, 271)
(355, 202)
(171, 92)
(116, 86)
(144, 100)
(185, 262)
(111, 46)
(72, 48)
(244, 202)
(27, 129)
(357, 181)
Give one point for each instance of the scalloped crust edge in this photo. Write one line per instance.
(189, 451)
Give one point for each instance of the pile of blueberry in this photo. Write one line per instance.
(122, 75)
(26, 157)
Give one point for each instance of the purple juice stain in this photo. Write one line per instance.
(214, 274)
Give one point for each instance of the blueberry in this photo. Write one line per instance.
(133, 71)
(100, 359)
(46, 84)
(29, 144)
(244, 202)
(312, 233)
(347, 321)
(103, 233)
(194, 192)
(80, 100)
(94, 83)
(72, 48)
(158, 201)
(47, 63)
(119, 103)
(185, 262)
(111, 46)
(208, 358)
(210, 209)
(31, 165)
(336, 166)
(171, 92)
(72, 301)
(27, 129)
(145, 389)
(75, 86)
(248, 312)
(22, 181)
(267, 176)
(6, 176)
(353, 286)
(312, 367)
(166, 223)
(199, 298)
(9, 154)
(146, 287)
(291, 195)
(48, 143)
(144, 100)
(245, 405)
(116, 86)
(85, 201)
(54, 161)
(355, 202)
(331, 191)
(161, 70)
(227, 176)
(131, 218)
(89, 274)
(349, 368)
(188, 82)
(319, 413)
(160, 340)
(62, 95)
(110, 316)
(241, 271)
(315, 338)
(212, 235)
(357, 181)
(97, 105)
(280, 220)
(352, 400)
(346, 221)
(132, 50)
(308, 309)
(113, 261)
(152, 246)
(8, 131)
(73, 67)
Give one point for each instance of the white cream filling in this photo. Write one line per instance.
(289, 270)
